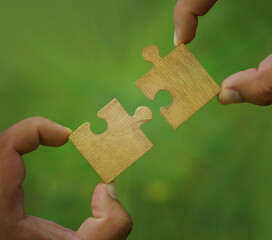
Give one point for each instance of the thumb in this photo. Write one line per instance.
(110, 221)
(252, 85)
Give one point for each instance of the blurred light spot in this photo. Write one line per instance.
(158, 191)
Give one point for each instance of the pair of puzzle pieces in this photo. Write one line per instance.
(179, 73)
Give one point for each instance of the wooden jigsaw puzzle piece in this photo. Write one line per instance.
(123, 142)
(179, 73)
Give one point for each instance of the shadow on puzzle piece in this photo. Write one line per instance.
(179, 73)
(111, 152)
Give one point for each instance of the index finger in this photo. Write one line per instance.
(185, 18)
(25, 136)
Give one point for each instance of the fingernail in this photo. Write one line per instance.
(228, 95)
(111, 187)
(69, 130)
(177, 42)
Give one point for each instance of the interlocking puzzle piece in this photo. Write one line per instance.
(183, 77)
(111, 152)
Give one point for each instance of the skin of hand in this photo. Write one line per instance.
(252, 85)
(110, 221)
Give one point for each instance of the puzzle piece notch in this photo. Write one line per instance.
(123, 142)
(179, 73)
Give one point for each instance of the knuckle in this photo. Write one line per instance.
(34, 120)
(264, 81)
(122, 223)
(3, 140)
(265, 89)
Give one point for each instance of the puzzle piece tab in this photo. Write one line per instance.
(111, 152)
(183, 77)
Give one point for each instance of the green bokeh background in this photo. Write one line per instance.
(64, 60)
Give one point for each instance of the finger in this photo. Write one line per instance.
(34, 228)
(21, 138)
(111, 221)
(185, 18)
(25, 136)
(253, 85)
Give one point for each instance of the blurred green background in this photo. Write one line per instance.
(64, 60)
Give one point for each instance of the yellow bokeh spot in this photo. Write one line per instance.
(158, 191)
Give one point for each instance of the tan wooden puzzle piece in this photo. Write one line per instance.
(111, 152)
(183, 77)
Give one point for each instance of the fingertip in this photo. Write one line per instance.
(177, 41)
(99, 189)
(69, 131)
(104, 190)
(185, 30)
(58, 133)
(103, 193)
(111, 188)
(104, 200)
(228, 96)
(65, 130)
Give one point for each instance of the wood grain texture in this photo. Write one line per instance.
(111, 152)
(183, 77)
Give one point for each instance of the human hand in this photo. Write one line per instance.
(186, 15)
(252, 85)
(110, 221)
